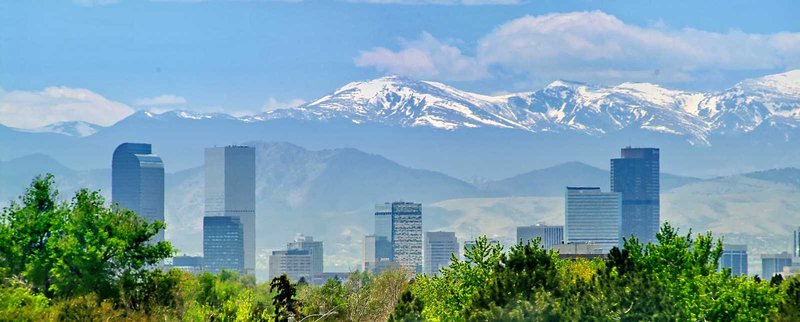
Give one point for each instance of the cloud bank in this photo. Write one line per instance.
(28, 110)
(589, 46)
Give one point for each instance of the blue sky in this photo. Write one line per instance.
(248, 56)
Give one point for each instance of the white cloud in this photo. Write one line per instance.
(591, 47)
(161, 100)
(274, 104)
(424, 58)
(27, 110)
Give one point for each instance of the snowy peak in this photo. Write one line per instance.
(787, 83)
(69, 128)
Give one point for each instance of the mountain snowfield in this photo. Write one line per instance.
(564, 106)
(771, 101)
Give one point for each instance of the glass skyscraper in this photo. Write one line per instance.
(592, 217)
(439, 247)
(635, 175)
(735, 258)
(230, 190)
(137, 182)
(378, 253)
(401, 223)
(223, 244)
(796, 243)
(550, 235)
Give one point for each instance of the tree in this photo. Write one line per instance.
(284, 300)
(76, 248)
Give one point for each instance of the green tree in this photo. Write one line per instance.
(76, 248)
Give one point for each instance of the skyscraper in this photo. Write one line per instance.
(550, 235)
(230, 190)
(295, 263)
(313, 247)
(772, 264)
(439, 247)
(137, 182)
(378, 253)
(635, 175)
(401, 223)
(223, 240)
(592, 217)
(735, 258)
(796, 243)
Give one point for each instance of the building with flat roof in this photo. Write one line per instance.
(230, 190)
(440, 246)
(772, 264)
(636, 176)
(223, 244)
(592, 217)
(302, 242)
(294, 263)
(401, 224)
(550, 235)
(734, 257)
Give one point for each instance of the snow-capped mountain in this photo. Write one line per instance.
(564, 106)
(69, 128)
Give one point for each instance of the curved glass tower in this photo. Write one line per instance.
(137, 182)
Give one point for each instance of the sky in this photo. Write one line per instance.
(101, 60)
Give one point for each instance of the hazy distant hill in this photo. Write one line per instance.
(331, 193)
(551, 181)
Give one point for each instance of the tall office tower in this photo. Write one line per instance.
(295, 263)
(796, 244)
(550, 235)
(230, 190)
(137, 182)
(223, 244)
(401, 223)
(772, 264)
(735, 258)
(313, 247)
(636, 176)
(377, 253)
(592, 217)
(439, 247)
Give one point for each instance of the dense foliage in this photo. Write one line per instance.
(85, 261)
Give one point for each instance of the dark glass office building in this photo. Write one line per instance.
(401, 224)
(635, 175)
(137, 182)
(223, 244)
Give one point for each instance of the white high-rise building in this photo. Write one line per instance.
(230, 190)
(549, 235)
(315, 248)
(592, 217)
(295, 263)
(440, 246)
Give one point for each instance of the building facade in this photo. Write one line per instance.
(550, 235)
(772, 264)
(635, 175)
(315, 248)
(592, 217)
(223, 244)
(294, 263)
(401, 224)
(796, 243)
(440, 246)
(191, 264)
(734, 257)
(378, 253)
(137, 182)
(230, 190)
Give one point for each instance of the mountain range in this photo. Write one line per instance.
(428, 125)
